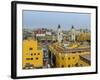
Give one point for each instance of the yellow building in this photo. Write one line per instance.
(69, 57)
(84, 37)
(69, 60)
(32, 56)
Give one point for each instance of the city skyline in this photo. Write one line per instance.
(50, 20)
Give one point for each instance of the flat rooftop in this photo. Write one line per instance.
(61, 49)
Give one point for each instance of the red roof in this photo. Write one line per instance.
(39, 31)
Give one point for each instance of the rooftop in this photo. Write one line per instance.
(62, 49)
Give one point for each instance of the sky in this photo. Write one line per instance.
(42, 19)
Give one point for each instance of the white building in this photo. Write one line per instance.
(40, 33)
(73, 34)
(59, 34)
(48, 33)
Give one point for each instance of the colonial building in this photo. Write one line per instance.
(69, 57)
(32, 56)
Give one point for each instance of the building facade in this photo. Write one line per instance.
(32, 56)
(72, 57)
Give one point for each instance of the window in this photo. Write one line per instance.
(30, 48)
(68, 58)
(76, 64)
(73, 52)
(38, 53)
(31, 58)
(68, 65)
(27, 58)
(34, 53)
(31, 54)
(73, 57)
(62, 58)
(37, 58)
(62, 66)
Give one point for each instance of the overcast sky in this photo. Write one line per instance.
(41, 19)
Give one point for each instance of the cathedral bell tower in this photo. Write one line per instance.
(59, 34)
(73, 38)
